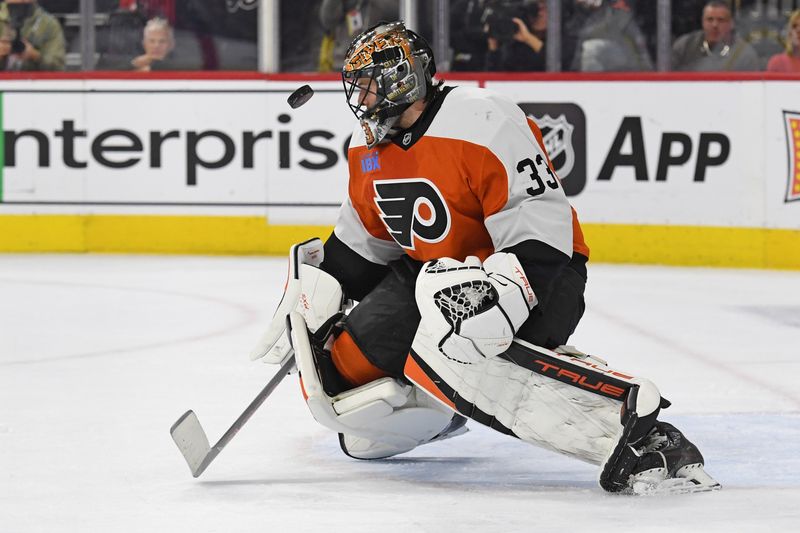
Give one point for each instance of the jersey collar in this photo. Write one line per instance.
(406, 138)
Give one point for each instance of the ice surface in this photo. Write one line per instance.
(99, 355)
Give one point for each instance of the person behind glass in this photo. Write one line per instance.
(467, 36)
(7, 35)
(516, 32)
(609, 39)
(716, 46)
(37, 40)
(157, 42)
(789, 61)
(341, 20)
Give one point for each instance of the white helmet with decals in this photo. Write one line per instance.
(395, 65)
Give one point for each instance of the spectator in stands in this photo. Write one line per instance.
(120, 39)
(38, 40)
(6, 38)
(342, 20)
(788, 61)
(609, 40)
(716, 46)
(158, 42)
(761, 24)
(516, 32)
(467, 36)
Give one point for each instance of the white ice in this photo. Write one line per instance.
(99, 355)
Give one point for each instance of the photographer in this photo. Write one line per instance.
(36, 38)
(515, 35)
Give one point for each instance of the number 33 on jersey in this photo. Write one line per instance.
(469, 178)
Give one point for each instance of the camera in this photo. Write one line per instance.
(497, 17)
(17, 45)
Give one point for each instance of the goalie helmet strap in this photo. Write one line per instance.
(351, 362)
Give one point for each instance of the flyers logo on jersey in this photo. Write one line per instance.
(412, 209)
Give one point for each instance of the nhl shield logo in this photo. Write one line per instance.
(557, 137)
(564, 138)
(792, 123)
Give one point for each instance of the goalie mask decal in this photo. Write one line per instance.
(412, 209)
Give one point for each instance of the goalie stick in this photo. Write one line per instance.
(192, 441)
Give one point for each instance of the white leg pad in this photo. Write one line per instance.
(381, 418)
(539, 408)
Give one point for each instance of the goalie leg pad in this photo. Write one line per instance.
(379, 419)
(548, 399)
(364, 448)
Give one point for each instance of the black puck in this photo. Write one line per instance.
(300, 96)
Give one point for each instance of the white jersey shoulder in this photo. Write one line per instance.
(471, 114)
(534, 210)
(476, 115)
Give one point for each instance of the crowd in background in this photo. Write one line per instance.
(485, 35)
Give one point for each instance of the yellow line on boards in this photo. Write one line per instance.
(150, 234)
(694, 245)
(611, 243)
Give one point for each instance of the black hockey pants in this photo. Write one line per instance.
(384, 323)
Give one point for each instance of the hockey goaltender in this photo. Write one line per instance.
(451, 283)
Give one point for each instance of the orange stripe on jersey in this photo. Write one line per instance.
(538, 134)
(578, 242)
(415, 373)
(351, 363)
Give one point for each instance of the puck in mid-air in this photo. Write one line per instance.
(300, 96)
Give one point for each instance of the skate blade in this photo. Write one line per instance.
(687, 480)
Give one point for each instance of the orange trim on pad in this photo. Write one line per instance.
(415, 373)
(302, 388)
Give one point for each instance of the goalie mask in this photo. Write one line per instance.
(387, 68)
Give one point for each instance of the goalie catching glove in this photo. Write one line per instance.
(310, 291)
(479, 308)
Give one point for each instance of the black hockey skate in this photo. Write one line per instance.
(668, 464)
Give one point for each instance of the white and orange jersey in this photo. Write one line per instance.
(470, 177)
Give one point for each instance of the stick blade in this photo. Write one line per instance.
(192, 442)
